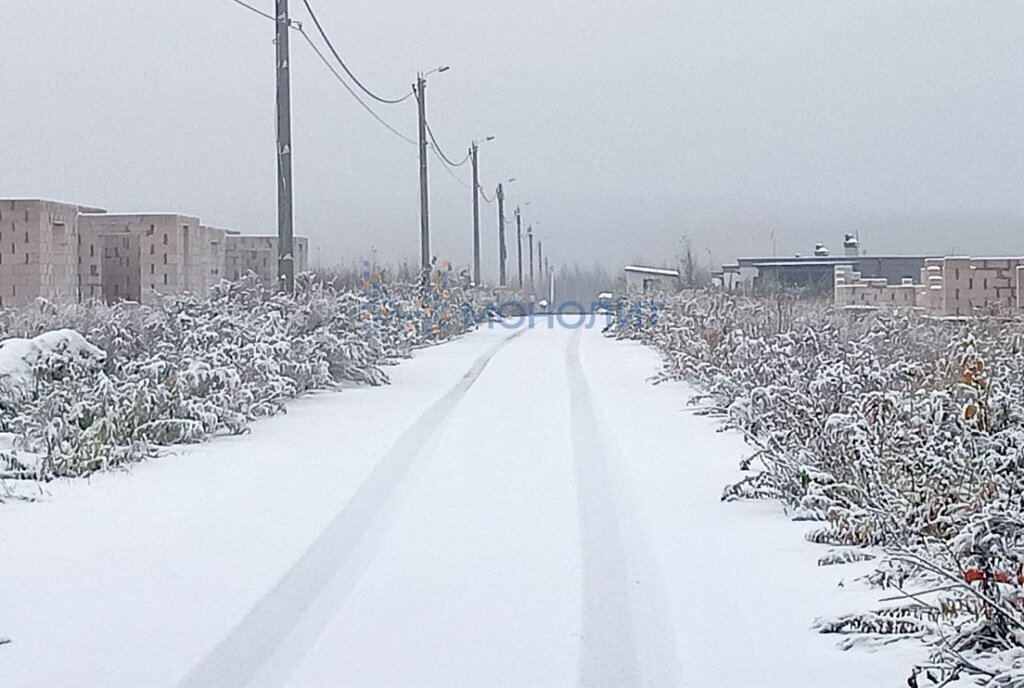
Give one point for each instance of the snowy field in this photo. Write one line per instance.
(515, 509)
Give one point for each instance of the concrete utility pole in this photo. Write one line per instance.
(551, 285)
(519, 245)
(476, 214)
(529, 236)
(285, 257)
(421, 101)
(500, 193)
(540, 260)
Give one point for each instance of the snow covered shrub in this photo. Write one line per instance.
(88, 387)
(893, 430)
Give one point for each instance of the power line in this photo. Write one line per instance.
(484, 196)
(255, 9)
(447, 168)
(441, 152)
(296, 26)
(446, 162)
(323, 58)
(348, 71)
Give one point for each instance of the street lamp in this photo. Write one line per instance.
(421, 101)
(519, 240)
(502, 251)
(473, 150)
(529, 236)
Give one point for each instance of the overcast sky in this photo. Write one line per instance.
(627, 124)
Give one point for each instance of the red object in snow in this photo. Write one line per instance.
(971, 575)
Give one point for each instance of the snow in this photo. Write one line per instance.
(18, 355)
(666, 272)
(522, 510)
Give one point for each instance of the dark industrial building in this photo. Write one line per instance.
(817, 271)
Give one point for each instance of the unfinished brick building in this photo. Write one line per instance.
(258, 254)
(38, 250)
(67, 252)
(954, 286)
(966, 286)
(143, 254)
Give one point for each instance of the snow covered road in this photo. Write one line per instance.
(517, 509)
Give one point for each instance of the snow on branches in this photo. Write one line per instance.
(894, 430)
(88, 387)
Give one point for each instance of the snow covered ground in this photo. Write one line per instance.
(517, 508)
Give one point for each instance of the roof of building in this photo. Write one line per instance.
(141, 214)
(81, 208)
(791, 261)
(663, 272)
(795, 263)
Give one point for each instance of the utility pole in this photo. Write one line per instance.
(421, 101)
(519, 245)
(529, 235)
(476, 214)
(540, 259)
(551, 284)
(285, 258)
(501, 235)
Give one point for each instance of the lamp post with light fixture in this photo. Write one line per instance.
(421, 100)
(473, 155)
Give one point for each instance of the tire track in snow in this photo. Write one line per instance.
(272, 639)
(627, 638)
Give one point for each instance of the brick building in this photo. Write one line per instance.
(952, 286)
(965, 286)
(67, 252)
(853, 289)
(258, 254)
(144, 254)
(38, 250)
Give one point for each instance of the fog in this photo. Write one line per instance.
(626, 125)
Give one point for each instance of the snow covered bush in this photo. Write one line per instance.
(894, 431)
(88, 387)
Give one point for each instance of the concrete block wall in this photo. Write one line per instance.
(1019, 272)
(952, 286)
(980, 285)
(120, 269)
(930, 290)
(38, 251)
(252, 253)
(168, 245)
(91, 250)
(851, 289)
(210, 259)
(844, 279)
(301, 246)
(130, 257)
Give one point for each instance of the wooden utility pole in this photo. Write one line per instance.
(285, 257)
(476, 214)
(421, 101)
(519, 245)
(501, 236)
